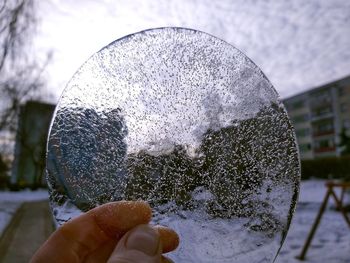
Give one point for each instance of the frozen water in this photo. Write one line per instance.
(187, 122)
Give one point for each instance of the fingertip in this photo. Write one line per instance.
(144, 238)
(84, 234)
(166, 260)
(117, 218)
(170, 239)
(141, 244)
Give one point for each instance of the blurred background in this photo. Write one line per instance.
(303, 47)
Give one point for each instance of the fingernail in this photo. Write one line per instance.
(143, 238)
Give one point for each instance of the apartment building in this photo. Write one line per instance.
(7, 140)
(30, 147)
(318, 116)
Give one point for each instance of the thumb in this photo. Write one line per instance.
(139, 245)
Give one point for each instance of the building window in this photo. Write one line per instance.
(298, 105)
(321, 97)
(324, 144)
(300, 118)
(323, 127)
(321, 93)
(321, 111)
(343, 107)
(346, 123)
(341, 91)
(305, 147)
(302, 132)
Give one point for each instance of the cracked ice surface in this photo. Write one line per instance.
(187, 122)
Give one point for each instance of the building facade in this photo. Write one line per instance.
(318, 116)
(30, 148)
(7, 140)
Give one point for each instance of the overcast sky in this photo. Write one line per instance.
(298, 44)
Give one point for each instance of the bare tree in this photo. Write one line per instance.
(20, 73)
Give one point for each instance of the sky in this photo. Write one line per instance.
(298, 44)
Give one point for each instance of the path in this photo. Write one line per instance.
(29, 228)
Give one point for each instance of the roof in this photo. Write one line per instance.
(340, 82)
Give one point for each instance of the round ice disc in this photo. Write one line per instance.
(185, 121)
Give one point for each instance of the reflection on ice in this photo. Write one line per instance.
(185, 121)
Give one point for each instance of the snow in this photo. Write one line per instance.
(313, 191)
(331, 242)
(218, 240)
(7, 210)
(24, 196)
(11, 201)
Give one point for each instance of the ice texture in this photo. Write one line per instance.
(187, 122)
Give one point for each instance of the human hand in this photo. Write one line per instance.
(116, 232)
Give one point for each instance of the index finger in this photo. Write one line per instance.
(74, 240)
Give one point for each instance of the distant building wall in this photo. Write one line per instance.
(7, 144)
(318, 117)
(30, 149)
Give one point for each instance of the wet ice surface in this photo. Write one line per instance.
(187, 122)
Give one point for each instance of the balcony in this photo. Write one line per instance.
(325, 149)
(324, 100)
(321, 112)
(323, 133)
(321, 117)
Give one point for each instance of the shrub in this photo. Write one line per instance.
(326, 168)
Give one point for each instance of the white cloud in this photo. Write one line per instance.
(298, 44)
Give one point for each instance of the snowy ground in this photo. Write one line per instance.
(331, 243)
(11, 201)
